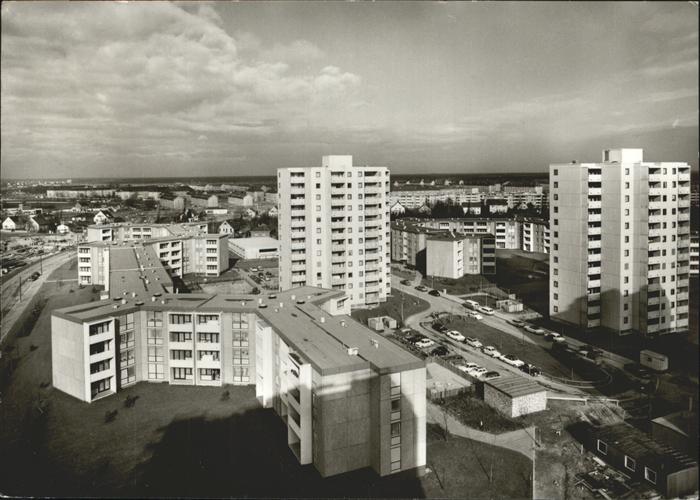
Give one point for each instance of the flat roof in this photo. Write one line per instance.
(322, 343)
(639, 446)
(255, 242)
(515, 386)
(127, 278)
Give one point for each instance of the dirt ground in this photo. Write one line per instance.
(226, 287)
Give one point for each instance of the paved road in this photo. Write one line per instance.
(29, 288)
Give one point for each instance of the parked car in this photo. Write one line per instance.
(439, 327)
(531, 370)
(477, 372)
(424, 342)
(466, 367)
(551, 335)
(421, 288)
(486, 310)
(516, 322)
(474, 315)
(440, 350)
(406, 282)
(490, 375)
(473, 342)
(254, 269)
(470, 304)
(434, 293)
(534, 329)
(35, 275)
(589, 352)
(512, 360)
(490, 350)
(455, 335)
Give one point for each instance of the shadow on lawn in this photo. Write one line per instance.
(247, 455)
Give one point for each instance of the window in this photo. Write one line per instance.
(155, 354)
(100, 366)
(208, 355)
(241, 356)
(556, 172)
(182, 373)
(241, 374)
(240, 322)
(395, 381)
(99, 328)
(155, 372)
(556, 309)
(180, 319)
(206, 318)
(602, 447)
(181, 354)
(627, 198)
(100, 386)
(155, 336)
(100, 347)
(556, 184)
(630, 463)
(180, 336)
(396, 409)
(208, 338)
(154, 318)
(209, 374)
(649, 475)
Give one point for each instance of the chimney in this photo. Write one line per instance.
(281, 305)
(375, 344)
(153, 298)
(123, 301)
(342, 322)
(323, 319)
(294, 297)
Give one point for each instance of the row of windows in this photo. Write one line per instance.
(630, 463)
(99, 328)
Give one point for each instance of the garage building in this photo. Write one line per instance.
(514, 396)
(262, 247)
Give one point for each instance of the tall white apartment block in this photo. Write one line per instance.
(620, 238)
(334, 229)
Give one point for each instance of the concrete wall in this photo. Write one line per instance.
(68, 362)
(514, 407)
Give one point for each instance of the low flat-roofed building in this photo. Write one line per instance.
(629, 450)
(261, 247)
(514, 395)
(350, 397)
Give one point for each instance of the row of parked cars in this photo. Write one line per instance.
(475, 310)
(489, 350)
(537, 330)
(421, 288)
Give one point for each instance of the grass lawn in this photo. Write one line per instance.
(475, 413)
(404, 274)
(392, 307)
(462, 468)
(469, 283)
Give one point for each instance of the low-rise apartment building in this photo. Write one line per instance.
(121, 232)
(205, 254)
(350, 398)
(442, 252)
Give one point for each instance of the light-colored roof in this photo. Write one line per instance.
(255, 242)
(294, 314)
(515, 385)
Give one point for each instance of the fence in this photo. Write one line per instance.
(438, 393)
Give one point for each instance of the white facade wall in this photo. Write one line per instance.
(620, 243)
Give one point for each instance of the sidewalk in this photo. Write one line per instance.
(521, 441)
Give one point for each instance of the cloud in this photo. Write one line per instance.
(299, 51)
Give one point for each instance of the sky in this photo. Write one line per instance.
(207, 89)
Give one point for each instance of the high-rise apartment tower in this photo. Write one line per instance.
(620, 237)
(334, 229)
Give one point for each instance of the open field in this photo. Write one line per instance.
(473, 412)
(393, 307)
(469, 283)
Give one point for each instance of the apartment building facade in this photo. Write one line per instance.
(442, 252)
(120, 232)
(333, 228)
(350, 398)
(620, 238)
(694, 253)
(507, 231)
(205, 254)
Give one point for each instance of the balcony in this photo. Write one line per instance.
(595, 204)
(337, 280)
(683, 270)
(299, 246)
(337, 259)
(595, 191)
(594, 258)
(595, 178)
(338, 268)
(338, 225)
(594, 244)
(682, 296)
(684, 190)
(656, 191)
(338, 247)
(683, 217)
(594, 231)
(296, 212)
(299, 267)
(593, 270)
(594, 218)
(593, 310)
